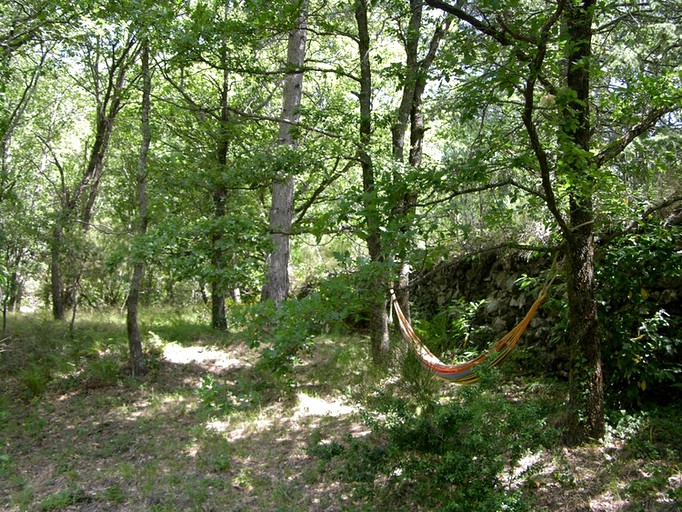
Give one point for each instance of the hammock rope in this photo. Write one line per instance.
(465, 373)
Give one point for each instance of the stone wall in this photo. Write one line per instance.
(492, 276)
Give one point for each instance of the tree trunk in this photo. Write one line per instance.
(378, 284)
(276, 285)
(55, 273)
(219, 197)
(398, 135)
(281, 217)
(586, 390)
(218, 311)
(16, 290)
(137, 364)
(410, 113)
(84, 194)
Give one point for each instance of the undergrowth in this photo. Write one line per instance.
(422, 444)
(455, 453)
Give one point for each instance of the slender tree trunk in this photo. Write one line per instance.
(398, 136)
(4, 315)
(137, 364)
(55, 272)
(218, 311)
(79, 203)
(4, 300)
(378, 285)
(276, 285)
(586, 388)
(410, 114)
(15, 289)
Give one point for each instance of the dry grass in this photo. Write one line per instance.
(152, 445)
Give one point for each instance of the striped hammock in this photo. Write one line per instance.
(465, 373)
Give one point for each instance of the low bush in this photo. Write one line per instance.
(457, 455)
(640, 317)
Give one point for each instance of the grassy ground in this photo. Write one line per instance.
(208, 430)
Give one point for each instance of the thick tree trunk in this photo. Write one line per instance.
(378, 285)
(136, 355)
(137, 364)
(586, 390)
(276, 285)
(281, 217)
(219, 197)
(218, 311)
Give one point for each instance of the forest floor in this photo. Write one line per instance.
(97, 440)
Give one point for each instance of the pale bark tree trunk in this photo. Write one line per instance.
(137, 363)
(410, 114)
(276, 285)
(378, 322)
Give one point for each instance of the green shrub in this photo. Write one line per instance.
(34, 380)
(452, 333)
(284, 333)
(452, 456)
(219, 397)
(643, 340)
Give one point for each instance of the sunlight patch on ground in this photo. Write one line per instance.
(317, 406)
(243, 429)
(191, 451)
(527, 464)
(307, 407)
(606, 502)
(213, 360)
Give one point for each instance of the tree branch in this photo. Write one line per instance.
(617, 146)
(462, 192)
(634, 223)
(478, 24)
(502, 36)
(303, 209)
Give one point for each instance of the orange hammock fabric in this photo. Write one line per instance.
(465, 373)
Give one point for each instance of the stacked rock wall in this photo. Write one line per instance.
(490, 276)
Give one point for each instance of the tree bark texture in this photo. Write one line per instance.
(218, 311)
(137, 363)
(398, 136)
(378, 284)
(219, 197)
(55, 272)
(277, 284)
(586, 389)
